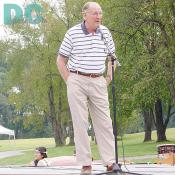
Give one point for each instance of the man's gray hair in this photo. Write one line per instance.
(87, 5)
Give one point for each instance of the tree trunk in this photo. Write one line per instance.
(55, 124)
(57, 130)
(161, 129)
(92, 133)
(59, 114)
(71, 134)
(71, 130)
(147, 125)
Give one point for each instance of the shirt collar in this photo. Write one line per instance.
(83, 27)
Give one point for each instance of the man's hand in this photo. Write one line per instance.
(61, 64)
(108, 79)
(66, 78)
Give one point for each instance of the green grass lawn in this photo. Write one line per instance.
(133, 146)
(23, 144)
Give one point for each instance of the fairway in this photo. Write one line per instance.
(133, 146)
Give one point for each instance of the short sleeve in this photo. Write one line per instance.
(66, 46)
(111, 44)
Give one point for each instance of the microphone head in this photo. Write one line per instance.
(114, 58)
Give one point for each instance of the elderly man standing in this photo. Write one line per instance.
(81, 63)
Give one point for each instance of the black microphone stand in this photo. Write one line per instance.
(117, 166)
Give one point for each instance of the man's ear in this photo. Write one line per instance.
(84, 15)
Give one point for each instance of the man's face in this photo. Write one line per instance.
(93, 16)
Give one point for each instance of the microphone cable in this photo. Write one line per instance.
(120, 120)
(120, 117)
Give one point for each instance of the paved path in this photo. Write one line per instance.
(20, 152)
(141, 157)
(10, 154)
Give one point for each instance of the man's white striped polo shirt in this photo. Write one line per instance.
(87, 52)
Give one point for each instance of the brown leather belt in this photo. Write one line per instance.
(86, 74)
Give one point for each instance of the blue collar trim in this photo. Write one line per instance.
(83, 27)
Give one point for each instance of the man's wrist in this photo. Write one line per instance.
(108, 77)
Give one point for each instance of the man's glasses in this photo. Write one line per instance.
(95, 13)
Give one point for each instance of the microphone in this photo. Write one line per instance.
(114, 58)
(112, 55)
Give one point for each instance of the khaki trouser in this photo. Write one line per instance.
(90, 93)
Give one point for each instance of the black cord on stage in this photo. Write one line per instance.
(120, 118)
(112, 173)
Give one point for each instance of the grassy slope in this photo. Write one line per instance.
(133, 145)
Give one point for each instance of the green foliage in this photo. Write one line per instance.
(33, 72)
(144, 36)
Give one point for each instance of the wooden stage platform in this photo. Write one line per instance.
(143, 169)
